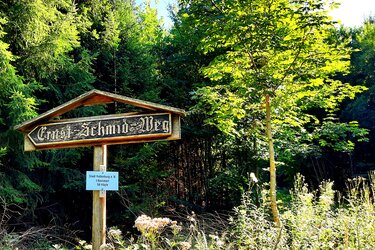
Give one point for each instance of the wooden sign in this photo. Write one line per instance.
(108, 129)
(47, 132)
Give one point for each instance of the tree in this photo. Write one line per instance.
(269, 49)
(362, 71)
(17, 105)
(53, 51)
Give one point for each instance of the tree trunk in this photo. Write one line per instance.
(275, 212)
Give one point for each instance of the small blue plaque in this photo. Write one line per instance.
(97, 180)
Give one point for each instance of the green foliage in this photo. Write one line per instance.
(313, 220)
(226, 56)
(252, 225)
(282, 48)
(226, 188)
(120, 37)
(339, 136)
(310, 219)
(41, 33)
(362, 72)
(142, 188)
(51, 52)
(164, 233)
(3, 152)
(320, 219)
(17, 105)
(180, 62)
(363, 57)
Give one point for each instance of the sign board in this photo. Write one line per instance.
(97, 180)
(107, 129)
(48, 132)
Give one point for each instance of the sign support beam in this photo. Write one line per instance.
(48, 131)
(99, 201)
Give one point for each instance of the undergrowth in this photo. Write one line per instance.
(319, 219)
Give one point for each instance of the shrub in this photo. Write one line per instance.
(320, 219)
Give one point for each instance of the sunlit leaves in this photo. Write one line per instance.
(223, 106)
(16, 97)
(150, 25)
(17, 104)
(41, 33)
(282, 48)
(111, 33)
(21, 107)
(340, 136)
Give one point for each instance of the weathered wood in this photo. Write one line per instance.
(97, 100)
(103, 142)
(97, 117)
(176, 128)
(103, 168)
(28, 145)
(45, 132)
(105, 129)
(99, 202)
(91, 98)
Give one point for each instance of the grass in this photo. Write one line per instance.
(311, 219)
(318, 219)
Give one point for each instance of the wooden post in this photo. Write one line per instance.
(44, 132)
(99, 201)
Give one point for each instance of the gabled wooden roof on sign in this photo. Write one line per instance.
(90, 98)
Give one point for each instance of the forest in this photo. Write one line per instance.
(277, 145)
